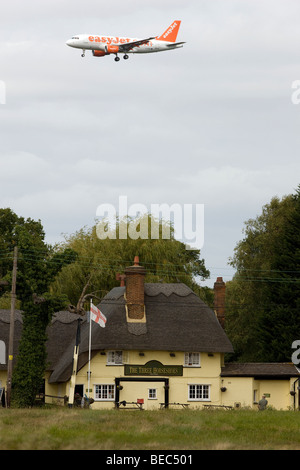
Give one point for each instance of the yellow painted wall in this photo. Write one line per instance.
(208, 373)
(279, 390)
(55, 392)
(239, 390)
(3, 378)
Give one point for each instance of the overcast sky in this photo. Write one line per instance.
(211, 123)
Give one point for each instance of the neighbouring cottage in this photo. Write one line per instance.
(162, 347)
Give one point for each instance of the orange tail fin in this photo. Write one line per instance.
(171, 32)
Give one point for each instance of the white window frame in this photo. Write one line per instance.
(199, 392)
(104, 392)
(115, 358)
(152, 393)
(192, 359)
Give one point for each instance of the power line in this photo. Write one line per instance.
(6, 254)
(111, 263)
(31, 255)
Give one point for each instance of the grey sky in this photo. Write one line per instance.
(212, 123)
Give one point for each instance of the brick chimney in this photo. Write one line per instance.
(219, 300)
(134, 291)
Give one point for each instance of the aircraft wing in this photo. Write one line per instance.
(130, 45)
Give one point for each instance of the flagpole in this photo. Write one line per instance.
(90, 335)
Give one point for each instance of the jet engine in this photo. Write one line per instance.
(99, 53)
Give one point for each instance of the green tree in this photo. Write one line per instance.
(38, 264)
(279, 326)
(166, 260)
(259, 319)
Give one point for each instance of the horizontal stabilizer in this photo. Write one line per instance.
(175, 44)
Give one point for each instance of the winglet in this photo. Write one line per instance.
(171, 32)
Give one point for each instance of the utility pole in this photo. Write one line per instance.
(11, 327)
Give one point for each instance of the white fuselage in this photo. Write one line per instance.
(106, 44)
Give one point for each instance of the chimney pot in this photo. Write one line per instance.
(121, 278)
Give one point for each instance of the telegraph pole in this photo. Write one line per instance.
(12, 327)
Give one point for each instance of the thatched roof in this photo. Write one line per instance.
(60, 332)
(176, 320)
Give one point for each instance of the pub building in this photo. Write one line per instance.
(162, 347)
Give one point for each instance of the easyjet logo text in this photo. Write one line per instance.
(113, 40)
(169, 31)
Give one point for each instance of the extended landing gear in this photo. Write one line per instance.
(83, 53)
(117, 58)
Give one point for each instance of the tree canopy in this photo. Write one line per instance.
(37, 267)
(99, 259)
(263, 297)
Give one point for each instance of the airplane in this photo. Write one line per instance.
(106, 45)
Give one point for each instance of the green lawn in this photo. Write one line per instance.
(64, 428)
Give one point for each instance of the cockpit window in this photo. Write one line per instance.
(75, 37)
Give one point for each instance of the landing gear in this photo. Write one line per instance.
(117, 58)
(83, 53)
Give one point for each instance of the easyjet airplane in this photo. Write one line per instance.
(105, 45)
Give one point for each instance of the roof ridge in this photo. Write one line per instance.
(155, 288)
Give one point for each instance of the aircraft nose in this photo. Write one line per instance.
(69, 42)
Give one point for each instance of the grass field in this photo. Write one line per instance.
(81, 429)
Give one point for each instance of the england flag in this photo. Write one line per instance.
(97, 316)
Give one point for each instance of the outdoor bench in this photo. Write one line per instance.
(164, 405)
